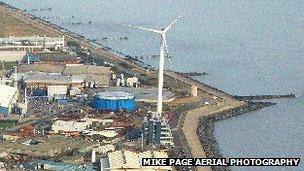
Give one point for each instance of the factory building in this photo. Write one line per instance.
(94, 76)
(32, 43)
(44, 68)
(8, 97)
(114, 100)
(127, 159)
(90, 75)
(45, 80)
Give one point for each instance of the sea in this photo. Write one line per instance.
(248, 47)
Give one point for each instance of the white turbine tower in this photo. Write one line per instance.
(162, 53)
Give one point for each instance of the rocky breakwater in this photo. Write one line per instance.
(205, 130)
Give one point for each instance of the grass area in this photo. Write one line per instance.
(7, 124)
(53, 146)
(8, 65)
(11, 26)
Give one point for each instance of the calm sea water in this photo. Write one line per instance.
(247, 46)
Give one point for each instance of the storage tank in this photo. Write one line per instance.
(114, 100)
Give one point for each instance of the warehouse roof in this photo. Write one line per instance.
(41, 68)
(7, 94)
(129, 159)
(98, 79)
(115, 95)
(52, 79)
(86, 69)
(67, 70)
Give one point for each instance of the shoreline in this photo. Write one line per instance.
(205, 130)
(191, 119)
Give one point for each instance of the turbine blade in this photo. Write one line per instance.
(166, 29)
(147, 29)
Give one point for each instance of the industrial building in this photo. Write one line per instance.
(94, 76)
(45, 68)
(90, 75)
(8, 97)
(32, 43)
(44, 80)
(132, 82)
(114, 100)
(126, 159)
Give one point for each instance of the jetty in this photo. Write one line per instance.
(263, 97)
(192, 74)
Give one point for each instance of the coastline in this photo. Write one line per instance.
(205, 129)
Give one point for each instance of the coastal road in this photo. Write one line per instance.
(190, 126)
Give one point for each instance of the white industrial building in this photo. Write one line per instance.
(32, 43)
(8, 97)
(126, 159)
(57, 91)
(132, 82)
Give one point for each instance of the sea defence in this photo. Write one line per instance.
(189, 121)
(263, 97)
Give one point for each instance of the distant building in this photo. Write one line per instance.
(132, 82)
(32, 43)
(92, 76)
(8, 97)
(99, 76)
(126, 159)
(46, 80)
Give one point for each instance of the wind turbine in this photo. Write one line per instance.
(162, 53)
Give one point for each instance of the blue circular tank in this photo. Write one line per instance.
(114, 100)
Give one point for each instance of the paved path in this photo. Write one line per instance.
(191, 123)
